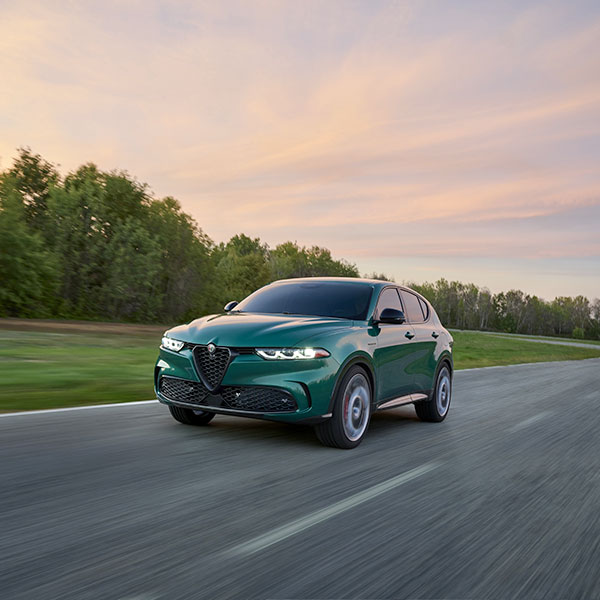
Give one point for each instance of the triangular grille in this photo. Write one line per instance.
(211, 366)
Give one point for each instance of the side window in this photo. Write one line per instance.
(413, 307)
(388, 299)
(425, 309)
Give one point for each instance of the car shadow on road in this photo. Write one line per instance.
(232, 429)
(393, 419)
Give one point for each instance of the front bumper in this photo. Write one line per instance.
(251, 387)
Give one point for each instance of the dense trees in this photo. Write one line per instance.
(98, 245)
(28, 271)
(466, 306)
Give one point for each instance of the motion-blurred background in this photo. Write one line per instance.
(159, 159)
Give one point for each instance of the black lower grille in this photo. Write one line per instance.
(243, 398)
(182, 391)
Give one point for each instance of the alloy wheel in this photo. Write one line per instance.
(356, 407)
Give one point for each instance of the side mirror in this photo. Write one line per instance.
(391, 315)
(230, 305)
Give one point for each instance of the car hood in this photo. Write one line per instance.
(253, 330)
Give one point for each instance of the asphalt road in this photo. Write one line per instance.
(502, 500)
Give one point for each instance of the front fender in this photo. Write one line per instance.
(357, 358)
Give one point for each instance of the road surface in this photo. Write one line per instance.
(502, 500)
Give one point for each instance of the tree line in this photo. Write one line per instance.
(467, 306)
(99, 245)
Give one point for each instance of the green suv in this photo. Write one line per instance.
(321, 351)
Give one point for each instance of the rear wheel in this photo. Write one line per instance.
(437, 406)
(351, 412)
(189, 416)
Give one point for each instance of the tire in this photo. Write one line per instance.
(187, 416)
(351, 412)
(436, 408)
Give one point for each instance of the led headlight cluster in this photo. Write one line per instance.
(291, 353)
(171, 344)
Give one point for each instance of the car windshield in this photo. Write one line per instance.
(319, 298)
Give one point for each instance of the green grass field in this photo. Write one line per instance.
(535, 337)
(474, 349)
(77, 364)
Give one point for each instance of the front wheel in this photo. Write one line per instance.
(187, 416)
(436, 408)
(351, 412)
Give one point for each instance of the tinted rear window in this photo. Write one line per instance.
(412, 307)
(425, 309)
(322, 299)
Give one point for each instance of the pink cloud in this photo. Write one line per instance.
(312, 120)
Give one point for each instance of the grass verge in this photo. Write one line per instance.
(80, 364)
(50, 370)
(473, 349)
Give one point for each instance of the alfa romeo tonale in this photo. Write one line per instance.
(322, 351)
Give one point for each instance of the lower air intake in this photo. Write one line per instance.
(242, 398)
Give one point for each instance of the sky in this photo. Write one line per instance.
(420, 139)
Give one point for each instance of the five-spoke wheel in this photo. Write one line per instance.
(351, 412)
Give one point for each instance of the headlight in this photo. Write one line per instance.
(291, 353)
(171, 344)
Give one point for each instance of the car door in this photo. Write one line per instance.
(424, 342)
(393, 355)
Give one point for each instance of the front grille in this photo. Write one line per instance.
(242, 398)
(211, 366)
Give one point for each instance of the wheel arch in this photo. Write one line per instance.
(446, 359)
(361, 360)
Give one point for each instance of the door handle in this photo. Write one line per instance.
(409, 335)
(435, 335)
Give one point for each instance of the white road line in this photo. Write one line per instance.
(530, 421)
(281, 533)
(87, 407)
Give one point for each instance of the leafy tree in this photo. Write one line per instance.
(79, 241)
(562, 316)
(32, 178)
(484, 308)
(131, 291)
(289, 260)
(186, 277)
(594, 323)
(578, 333)
(378, 276)
(27, 270)
(242, 266)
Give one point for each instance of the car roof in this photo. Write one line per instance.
(330, 279)
(378, 283)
